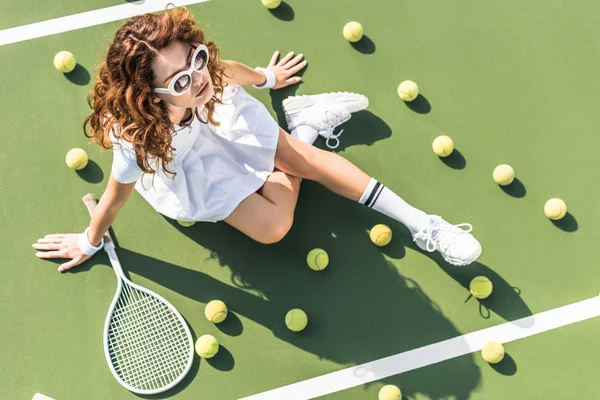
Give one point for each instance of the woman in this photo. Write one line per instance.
(197, 147)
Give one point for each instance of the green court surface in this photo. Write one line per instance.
(511, 82)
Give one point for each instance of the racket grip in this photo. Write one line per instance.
(90, 202)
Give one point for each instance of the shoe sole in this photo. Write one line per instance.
(299, 102)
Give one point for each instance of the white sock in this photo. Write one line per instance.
(305, 133)
(382, 199)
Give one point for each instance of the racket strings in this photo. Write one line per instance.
(148, 346)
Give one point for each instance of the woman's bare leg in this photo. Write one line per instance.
(267, 216)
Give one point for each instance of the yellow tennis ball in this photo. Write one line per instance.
(207, 346)
(504, 175)
(296, 320)
(381, 235)
(353, 31)
(443, 146)
(64, 61)
(390, 392)
(555, 209)
(408, 90)
(76, 158)
(481, 287)
(271, 3)
(186, 223)
(215, 311)
(317, 259)
(492, 352)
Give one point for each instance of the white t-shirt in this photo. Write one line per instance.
(217, 166)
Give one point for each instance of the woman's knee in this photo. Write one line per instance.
(274, 229)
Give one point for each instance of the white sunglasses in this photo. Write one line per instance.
(182, 82)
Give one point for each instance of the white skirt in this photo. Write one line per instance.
(217, 166)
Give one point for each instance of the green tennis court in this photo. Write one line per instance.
(510, 82)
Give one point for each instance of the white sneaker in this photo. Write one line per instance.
(456, 245)
(323, 112)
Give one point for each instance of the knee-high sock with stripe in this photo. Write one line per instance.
(382, 199)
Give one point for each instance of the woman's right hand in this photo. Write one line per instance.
(61, 246)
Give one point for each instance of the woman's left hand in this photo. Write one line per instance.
(286, 68)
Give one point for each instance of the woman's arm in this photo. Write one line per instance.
(72, 245)
(241, 75)
(115, 196)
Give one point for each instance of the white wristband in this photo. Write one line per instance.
(84, 244)
(271, 79)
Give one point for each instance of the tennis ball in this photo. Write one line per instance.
(64, 61)
(390, 392)
(207, 346)
(296, 320)
(353, 31)
(481, 287)
(443, 146)
(186, 223)
(492, 352)
(555, 209)
(271, 3)
(215, 311)
(504, 175)
(76, 159)
(381, 235)
(408, 90)
(317, 259)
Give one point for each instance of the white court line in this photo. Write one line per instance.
(86, 19)
(434, 353)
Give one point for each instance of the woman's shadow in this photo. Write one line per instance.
(361, 308)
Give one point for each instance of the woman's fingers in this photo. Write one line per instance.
(50, 240)
(274, 58)
(51, 254)
(46, 246)
(285, 59)
(297, 68)
(293, 62)
(70, 264)
(292, 80)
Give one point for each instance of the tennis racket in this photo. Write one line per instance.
(147, 343)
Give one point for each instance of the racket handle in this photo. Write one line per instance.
(90, 202)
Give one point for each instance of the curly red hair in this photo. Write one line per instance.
(123, 92)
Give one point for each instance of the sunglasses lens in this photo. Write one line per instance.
(201, 60)
(182, 83)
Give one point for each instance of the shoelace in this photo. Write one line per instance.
(433, 236)
(328, 132)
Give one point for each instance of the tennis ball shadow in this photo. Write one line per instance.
(505, 301)
(359, 292)
(284, 12)
(223, 360)
(364, 45)
(79, 75)
(92, 172)
(507, 366)
(515, 189)
(568, 223)
(455, 160)
(232, 325)
(419, 105)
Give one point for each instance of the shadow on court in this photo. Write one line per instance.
(340, 300)
(284, 12)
